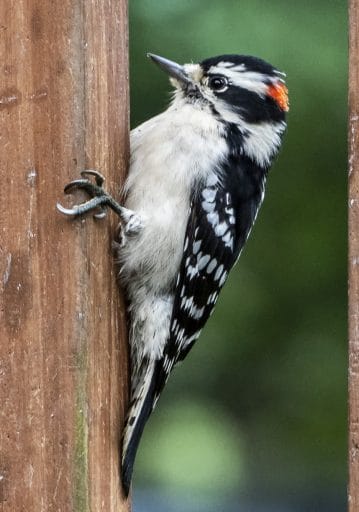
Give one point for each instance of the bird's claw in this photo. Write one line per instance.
(98, 196)
(99, 178)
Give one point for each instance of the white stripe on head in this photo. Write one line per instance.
(251, 80)
(237, 67)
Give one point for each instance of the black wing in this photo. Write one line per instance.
(218, 226)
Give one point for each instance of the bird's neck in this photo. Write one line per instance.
(260, 142)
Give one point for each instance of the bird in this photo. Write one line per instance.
(196, 181)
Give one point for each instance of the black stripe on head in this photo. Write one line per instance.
(250, 63)
(252, 107)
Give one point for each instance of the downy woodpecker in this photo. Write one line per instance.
(196, 181)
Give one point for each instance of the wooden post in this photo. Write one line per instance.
(353, 489)
(63, 357)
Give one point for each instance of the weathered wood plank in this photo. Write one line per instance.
(63, 355)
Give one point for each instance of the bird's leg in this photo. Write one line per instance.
(100, 199)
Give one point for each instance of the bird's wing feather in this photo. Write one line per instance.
(218, 226)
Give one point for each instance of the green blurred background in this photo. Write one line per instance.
(255, 419)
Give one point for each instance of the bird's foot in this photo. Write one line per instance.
(99, 200)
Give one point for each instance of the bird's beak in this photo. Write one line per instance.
(171, 68)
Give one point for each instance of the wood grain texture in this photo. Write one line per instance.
(353, 489)
(63, 349)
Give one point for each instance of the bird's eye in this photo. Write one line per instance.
(218, 83)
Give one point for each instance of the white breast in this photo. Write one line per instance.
(169, 153)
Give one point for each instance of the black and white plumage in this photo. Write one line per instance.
(196, 181)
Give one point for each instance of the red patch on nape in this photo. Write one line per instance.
(279, 93)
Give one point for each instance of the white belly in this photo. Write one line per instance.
(169, 155)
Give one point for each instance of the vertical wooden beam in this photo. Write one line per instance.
(63, 357)
(353, 489)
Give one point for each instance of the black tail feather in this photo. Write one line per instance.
(129, 456)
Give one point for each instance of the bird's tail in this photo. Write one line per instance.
(142, 403)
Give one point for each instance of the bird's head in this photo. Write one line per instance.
(240, 90)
